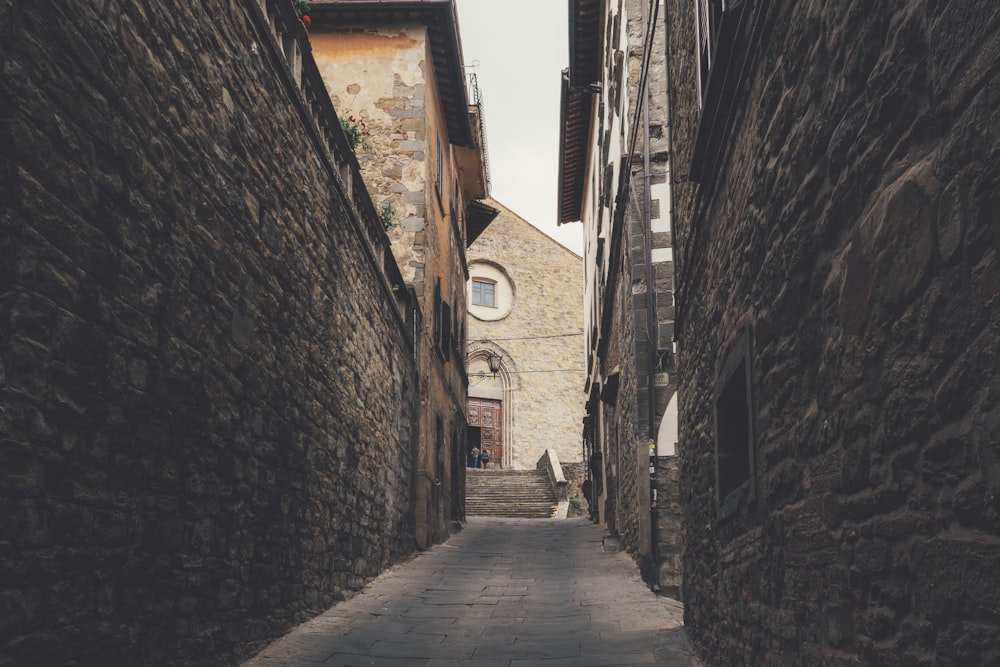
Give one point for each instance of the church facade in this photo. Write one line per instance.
(524, 297)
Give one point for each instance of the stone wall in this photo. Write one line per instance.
(619, 422)
(650, 240)
(642, 303)
(380, 70)
(207, 392)
(575, 474)
(669, 527)
(848, 227)
(378, 78)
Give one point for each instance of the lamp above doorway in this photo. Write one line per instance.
(494, 361)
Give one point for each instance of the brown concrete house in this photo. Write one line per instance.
(395, 74)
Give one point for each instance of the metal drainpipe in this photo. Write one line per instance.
(651, 318)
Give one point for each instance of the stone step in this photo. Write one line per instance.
(509, 493)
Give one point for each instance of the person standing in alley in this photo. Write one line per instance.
(484, 458)
(475, 457)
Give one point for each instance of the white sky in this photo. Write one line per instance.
(521, 49)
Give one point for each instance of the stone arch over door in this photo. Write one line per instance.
(503, 387)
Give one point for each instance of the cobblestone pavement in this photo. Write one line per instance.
(501, 593)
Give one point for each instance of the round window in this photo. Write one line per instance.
(491, 291)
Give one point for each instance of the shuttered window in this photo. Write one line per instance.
(723, 49)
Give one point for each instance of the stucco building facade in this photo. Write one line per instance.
(394, 71)
(524, 297)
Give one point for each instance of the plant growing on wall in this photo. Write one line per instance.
(356, 131)
(387, 212)
(302, 9)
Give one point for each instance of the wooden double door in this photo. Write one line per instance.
(486, 429)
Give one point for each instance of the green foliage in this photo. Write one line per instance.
(357, 133)
(387, 212)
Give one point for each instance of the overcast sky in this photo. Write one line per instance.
(518, 49)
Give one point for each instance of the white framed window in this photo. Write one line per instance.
(484, 293)
(490, 291)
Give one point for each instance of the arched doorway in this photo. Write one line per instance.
(491, 403)
(486, 431)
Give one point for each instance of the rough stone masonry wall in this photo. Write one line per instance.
(378, 77)
(854, 230)
(669, 526)
(382, 76)
(652, 269)
(650, 249)
(620, 418)
(205, 389)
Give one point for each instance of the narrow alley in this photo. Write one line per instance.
(279, 320)
(502, 592)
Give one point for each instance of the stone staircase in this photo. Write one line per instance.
(509, 493)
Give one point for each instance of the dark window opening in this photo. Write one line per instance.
(444, 344)
(709, 20)
(442, 322)
(439, 176)
(719, 30)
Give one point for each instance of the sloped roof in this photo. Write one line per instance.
(543, 238)
(579, 83)
(574, 143)
(441, 19)
(478, 216)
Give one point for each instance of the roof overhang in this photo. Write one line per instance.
(471, 160)
(478, 216)
(575, 114)
(440, 17)
(579, 83)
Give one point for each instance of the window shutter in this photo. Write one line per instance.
(437, 311)
(445, 330)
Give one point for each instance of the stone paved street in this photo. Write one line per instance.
(501, 593)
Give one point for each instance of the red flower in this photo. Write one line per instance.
(305, 19)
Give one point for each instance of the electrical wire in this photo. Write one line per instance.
(553, 370)
(487, 340)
